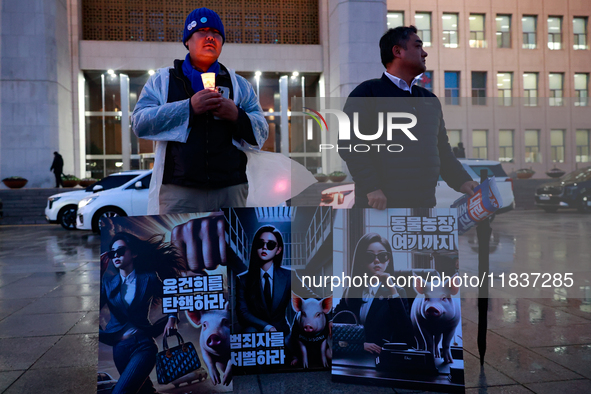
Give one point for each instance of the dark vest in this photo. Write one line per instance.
(208, 160)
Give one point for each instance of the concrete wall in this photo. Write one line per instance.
(35, 89)
(104, 55)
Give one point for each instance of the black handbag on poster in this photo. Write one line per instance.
(347, 338)
(176, 362)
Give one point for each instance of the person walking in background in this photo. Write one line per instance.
(459, 151)
(57, 167)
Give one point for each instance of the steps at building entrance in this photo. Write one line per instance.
(26, 206)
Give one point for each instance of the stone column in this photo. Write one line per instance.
(352, 35)
(35, 89)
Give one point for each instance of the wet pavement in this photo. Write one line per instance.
(539, 340)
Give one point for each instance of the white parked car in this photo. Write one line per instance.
(446, 195)
(61, 208)
(129, 199)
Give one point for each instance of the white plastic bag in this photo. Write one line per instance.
(274, 178)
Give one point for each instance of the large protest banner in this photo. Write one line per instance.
(160, 273)
(397, 316)
(279, 324)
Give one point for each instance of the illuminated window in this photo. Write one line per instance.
(423, 25)
(532, 146)
(503, 31)
(395, 19)
(454, 136)
(477, 31)
(505, 88)
(555, 32)
(581, 90)
(478, 87)
(583, 138)
(450, 30)
(529, 26)
(479, 144)
(556, 89)
(580, 32)
(452, 87)
(530, 89)
(557, 145)
(506, 146)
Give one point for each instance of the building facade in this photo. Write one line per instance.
(513, 76)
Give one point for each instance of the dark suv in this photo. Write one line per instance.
(573, 190)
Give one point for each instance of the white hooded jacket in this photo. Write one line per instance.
(155, 119)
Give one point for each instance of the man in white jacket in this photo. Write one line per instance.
(200, 133)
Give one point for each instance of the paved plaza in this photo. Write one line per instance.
(538, 341)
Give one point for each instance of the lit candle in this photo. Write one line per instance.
(208, 80)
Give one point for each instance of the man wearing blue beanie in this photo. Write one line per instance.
(200, 134)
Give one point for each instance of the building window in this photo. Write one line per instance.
(532, 146)
(580, 32)
(478, 88)
(450, 30)
(426, 81)
(504, 88)
(423, 25)
(583, 138)
(395, 19)
(530, 89)
(477, 31)
(529, 25)
(452, 88)
(455, 137)
(581, 90)
(479, 144)
(555, 32)
(506, 146)
(556, 89)
(503, 31)
(557, 145)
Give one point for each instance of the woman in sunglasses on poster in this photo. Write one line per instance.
(381, 309)
(141, 266)
(264, 290)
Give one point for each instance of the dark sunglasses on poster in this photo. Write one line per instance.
(118, 252)
(271, 245)
(382, 257)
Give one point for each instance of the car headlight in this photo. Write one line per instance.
(85, 201)
(52, 199)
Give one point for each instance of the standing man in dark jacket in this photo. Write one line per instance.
(198, 165)
(401, 178)
(58, 168)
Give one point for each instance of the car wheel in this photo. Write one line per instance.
(67, 217)
(107, 212)
(585, 204)
(550, 210)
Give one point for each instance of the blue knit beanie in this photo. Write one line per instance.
(200, 18)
